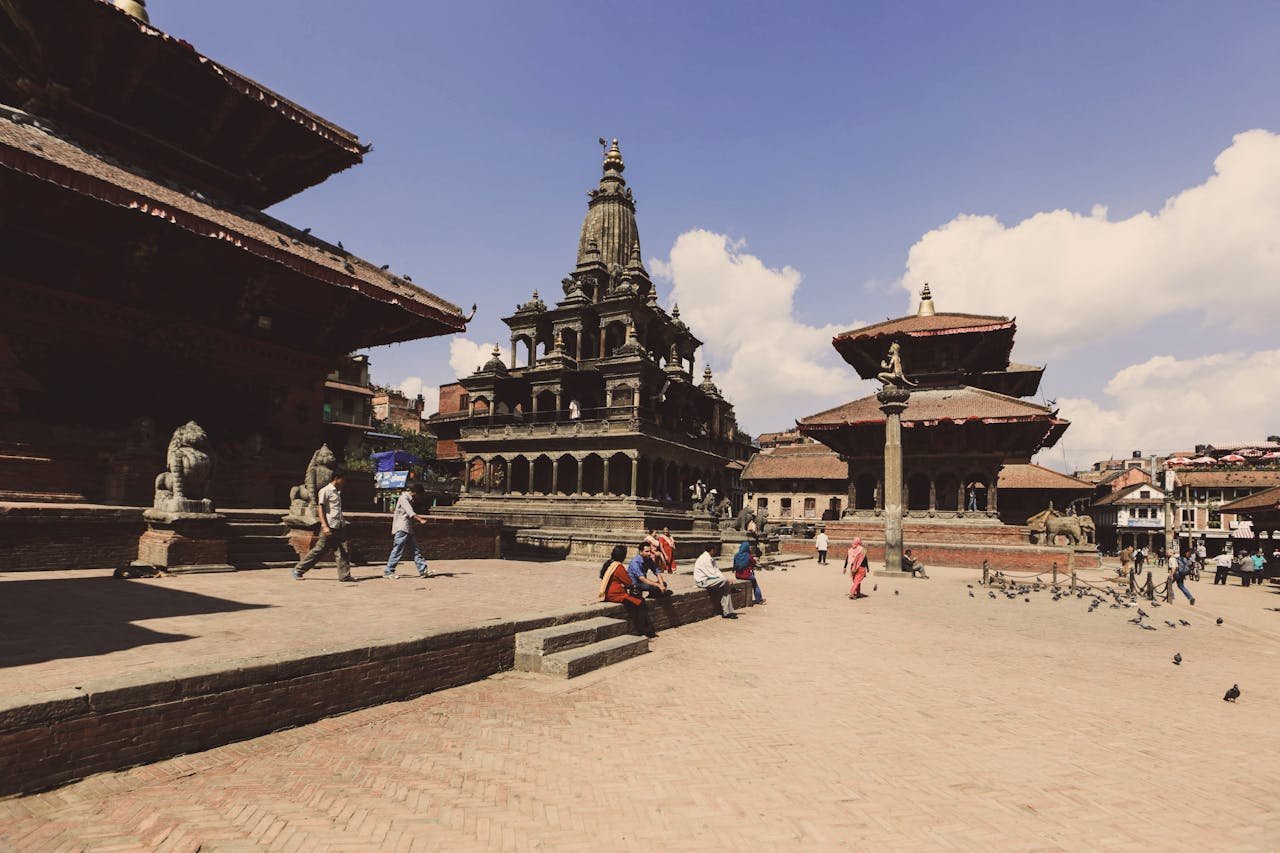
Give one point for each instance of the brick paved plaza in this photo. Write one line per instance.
(921, 720)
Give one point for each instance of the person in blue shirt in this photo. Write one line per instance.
(638, 569)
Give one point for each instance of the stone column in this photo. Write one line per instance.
(635, 475)
(506, 477)
(488, 473)
(893, 401)
(579, 460)
(604, 487)
(513, 354)
(555, 474)
(933, 494)
(1170, 546)
(993, 504)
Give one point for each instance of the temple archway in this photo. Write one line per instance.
(566, 475)
(918, 492)
(592, 474)
(520, 475)
(619, 474)
(947, 489)
(864, 491)
(542, 469)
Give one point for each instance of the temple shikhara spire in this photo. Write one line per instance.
(595, 426)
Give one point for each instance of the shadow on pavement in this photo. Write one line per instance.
(43, 620)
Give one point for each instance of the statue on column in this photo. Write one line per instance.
(891, 369)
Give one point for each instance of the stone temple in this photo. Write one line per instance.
(595, 427)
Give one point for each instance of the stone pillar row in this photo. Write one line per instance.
(659, 481)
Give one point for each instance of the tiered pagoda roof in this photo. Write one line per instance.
(961, 374)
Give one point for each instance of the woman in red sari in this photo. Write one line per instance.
(856, 565)
(667, 543)
(615, 586)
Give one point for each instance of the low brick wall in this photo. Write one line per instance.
(441, 538)
(54, 738)
(67, 536)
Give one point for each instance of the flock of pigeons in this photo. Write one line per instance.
(1114, 599)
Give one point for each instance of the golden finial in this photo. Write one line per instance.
(613, 159)
(926, 302)
(136, 8)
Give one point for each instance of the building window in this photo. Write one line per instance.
(785, 510)
(1144, 494)
(1188, 516)
(762, 506)
(1215, 518)
(810, 507)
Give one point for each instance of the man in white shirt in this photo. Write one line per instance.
(820, 543)
(334, 532)
(403, 537)
(706, 574)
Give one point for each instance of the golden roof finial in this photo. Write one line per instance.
(613, 159)
(926, 302)
(136, 8)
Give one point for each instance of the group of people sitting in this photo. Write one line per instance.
(630, 582)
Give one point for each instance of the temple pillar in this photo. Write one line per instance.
(555, 474)
(506, 478)
(960, 495)
(879, 496)
(635, 475)
(993, 506)
(513, 354)
(893, 401)
(933, 493)
(580, 460)
(605, 486)
(488, 473)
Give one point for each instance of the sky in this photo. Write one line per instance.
(1107, 173)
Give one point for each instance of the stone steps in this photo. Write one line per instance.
(259, 545)
(575, 648)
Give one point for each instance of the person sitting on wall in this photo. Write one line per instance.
(640, 567)
(616, 586)
(911, 564)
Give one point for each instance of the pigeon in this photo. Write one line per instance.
(306, 230)
(1170, 624)
(1219, 620)
(1149, 628)
(1142, 613)
(341, 247)
(895, 592)
(385, 267)
(1184, 623)
(1233, 694)
(408, 277)
(970, 586)
(1136, 621)
(1027, 600)
(1177, 659)
(874, 587)
(971, 595)
(991, 595)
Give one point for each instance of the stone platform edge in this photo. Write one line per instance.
(52, 738)
(968, 555)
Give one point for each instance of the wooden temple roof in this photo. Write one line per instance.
(796, 462)
(29, 148)
(929, 406)
(1032, 476)
(128, 88)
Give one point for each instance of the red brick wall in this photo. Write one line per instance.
(72, 734)
(451, 398)
(36, 537)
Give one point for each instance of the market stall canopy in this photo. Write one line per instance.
(388, 460)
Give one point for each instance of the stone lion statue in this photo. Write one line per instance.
(184, 486)
(302, 498)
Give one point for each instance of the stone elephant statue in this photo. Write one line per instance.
(1047, 525)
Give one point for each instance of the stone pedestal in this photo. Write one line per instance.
(184, 542)
(304, 527)
(893, 401)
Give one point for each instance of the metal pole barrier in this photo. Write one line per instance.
(1055, 575)
(985, 573)
(1073, 581)
(1150, 590)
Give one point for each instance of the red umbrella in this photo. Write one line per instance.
(1204, 460)
(1178, 460)
(1232, 457)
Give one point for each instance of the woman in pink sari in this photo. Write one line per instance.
(856, 565)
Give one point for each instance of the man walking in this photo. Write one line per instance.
(820, 543)
(706, 574)
(334, 532)
(402, 534)
(1179, 568)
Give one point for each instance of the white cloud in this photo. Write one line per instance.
(466, 355)
(413, 386)
(1166, 404)
(1073, 279)
(773, 368)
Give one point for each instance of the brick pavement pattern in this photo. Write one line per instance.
(922, 720)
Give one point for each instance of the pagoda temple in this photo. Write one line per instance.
(967, 418)
(143, 285)
(594, 426)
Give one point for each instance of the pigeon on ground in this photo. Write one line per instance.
(1027, 600)
(1136, 621)
(874, 587)
(1177, 659)
(1219, 620)
(1149, 627)
(991, 594)
(1142, 613)
(1184, 623)
(971, 595)
(1170, 624)
(895, 592)
(1233, 694)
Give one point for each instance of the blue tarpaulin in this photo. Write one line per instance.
(389, 460)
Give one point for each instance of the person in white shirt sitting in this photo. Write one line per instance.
(706, 574)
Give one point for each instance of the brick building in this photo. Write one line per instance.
(391, 406)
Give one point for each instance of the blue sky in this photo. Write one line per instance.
(825, 137)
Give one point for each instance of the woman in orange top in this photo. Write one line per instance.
(615, 586)
(856, 565)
